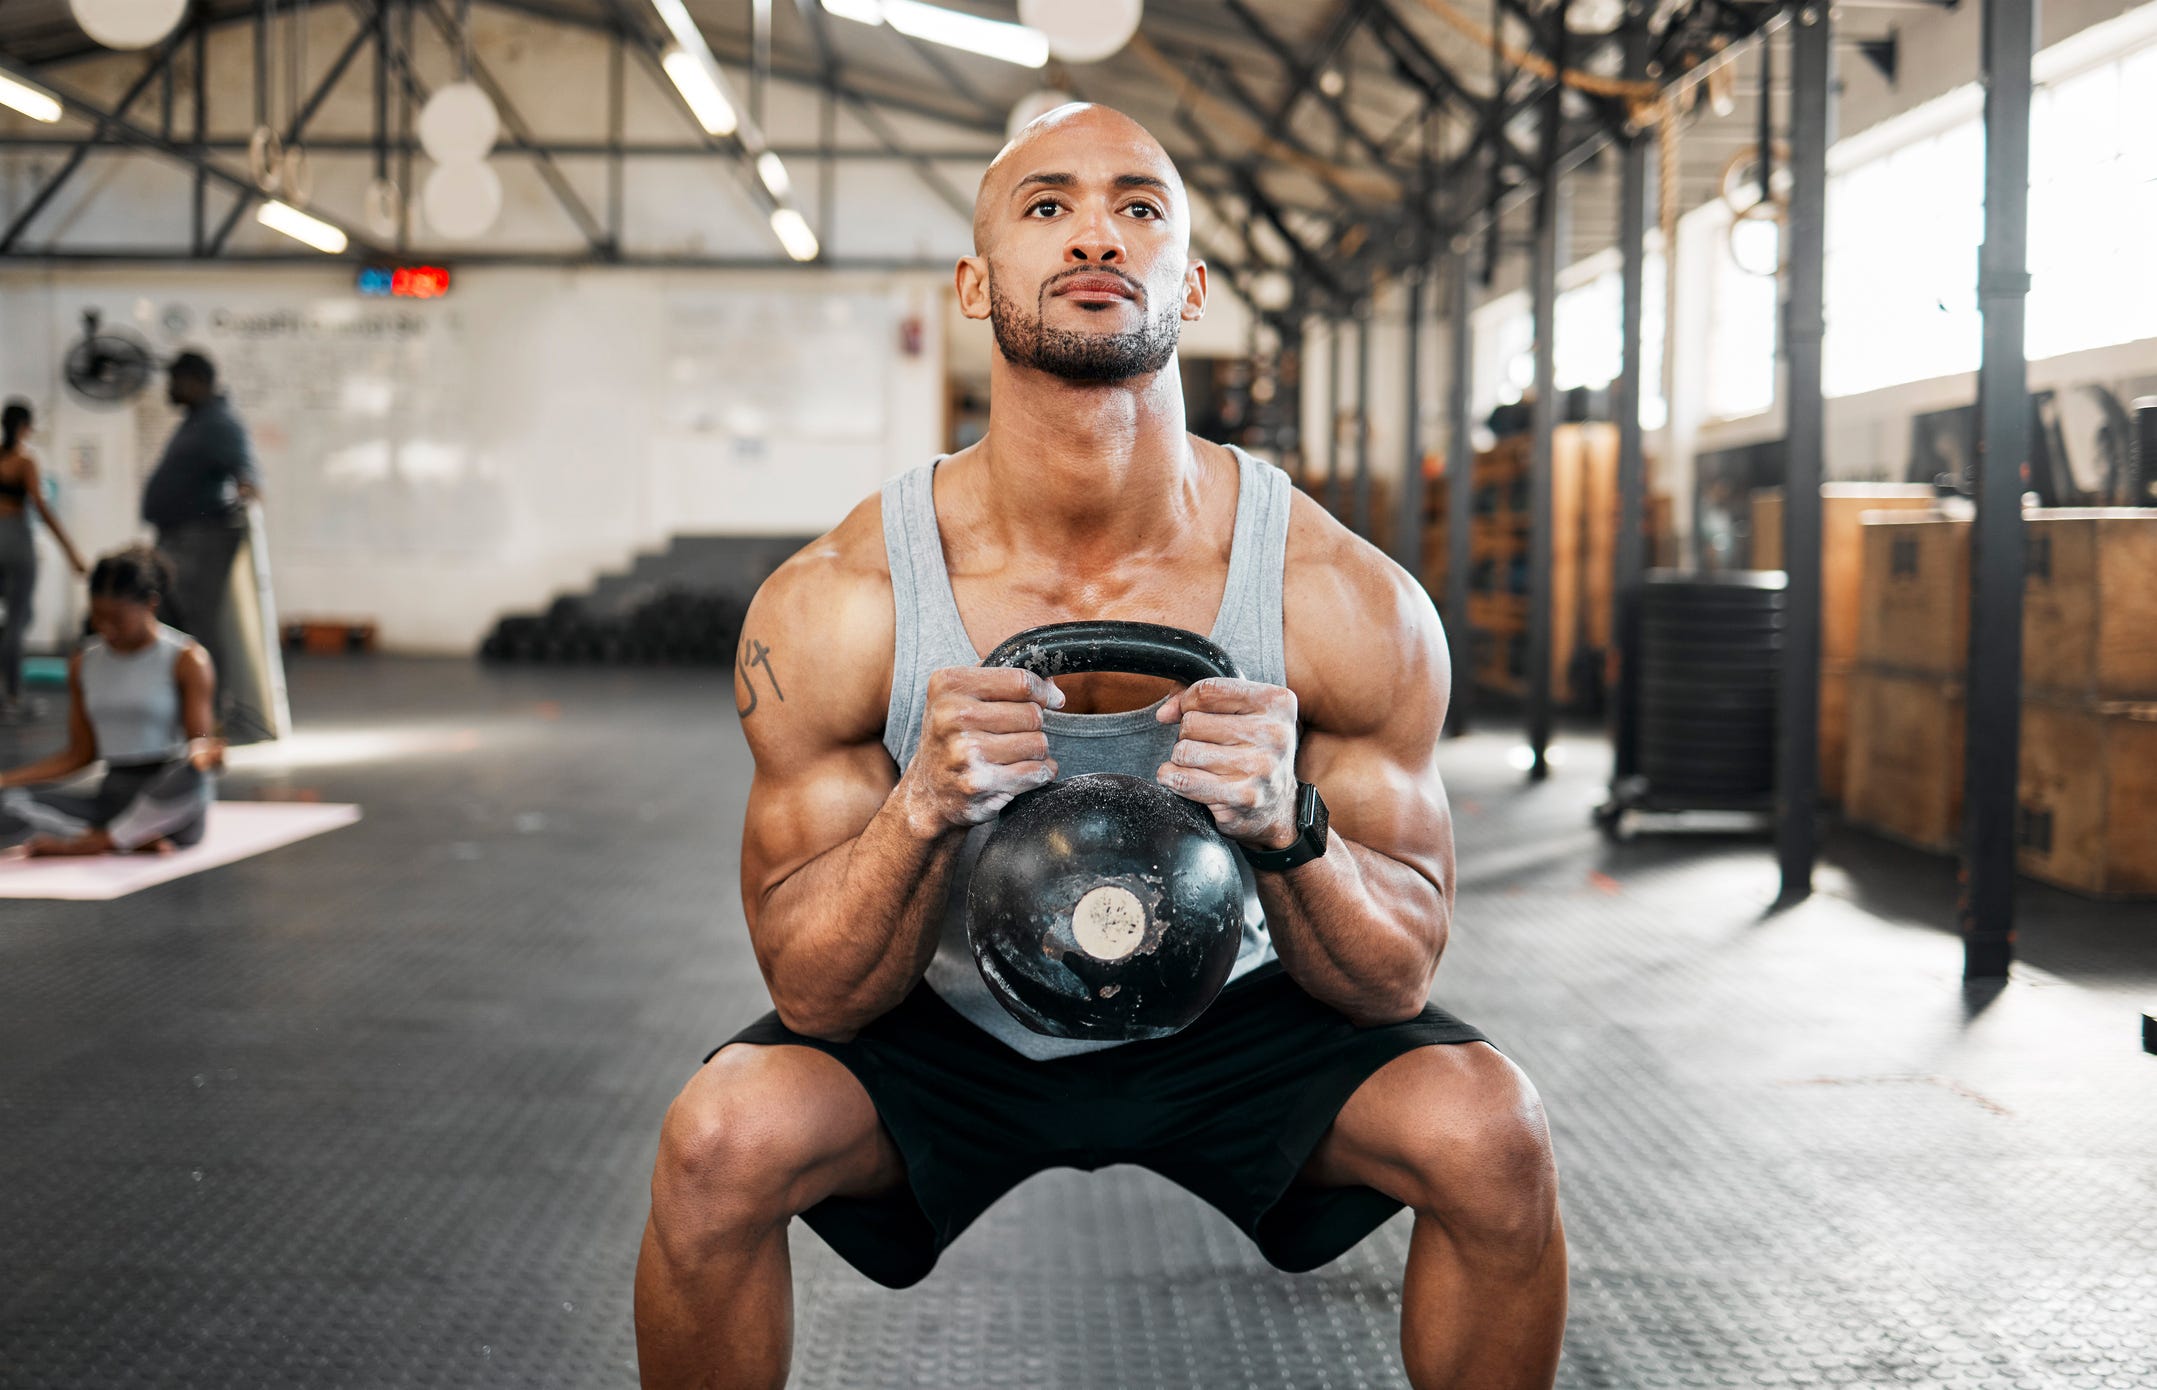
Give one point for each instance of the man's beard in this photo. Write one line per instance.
(1027, 341)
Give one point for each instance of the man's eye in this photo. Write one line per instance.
(1044, 203)
(1149, 209)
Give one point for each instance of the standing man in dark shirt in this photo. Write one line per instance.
(197, 499)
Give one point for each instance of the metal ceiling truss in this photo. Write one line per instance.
(1339, 248)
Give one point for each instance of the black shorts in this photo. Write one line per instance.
(1231, 1109)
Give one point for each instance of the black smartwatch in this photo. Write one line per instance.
(1310, 840)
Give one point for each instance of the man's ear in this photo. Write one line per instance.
(1194, 292)
(971, 279)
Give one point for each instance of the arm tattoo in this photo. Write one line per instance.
(755, 653)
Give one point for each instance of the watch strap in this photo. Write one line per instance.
(1310, 841)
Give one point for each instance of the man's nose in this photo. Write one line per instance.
(1095, 241)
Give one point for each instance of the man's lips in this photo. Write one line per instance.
(1094, 289)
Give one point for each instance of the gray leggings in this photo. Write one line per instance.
(135, 805)
(18, 581)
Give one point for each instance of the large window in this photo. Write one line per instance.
(1589, 347)
(1904, 230)
(1902, 238)
(2093, 194)
(1744, 311)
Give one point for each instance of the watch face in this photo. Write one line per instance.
(1314, 816)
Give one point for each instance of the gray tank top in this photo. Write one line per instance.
(132, 701)
(931, 637)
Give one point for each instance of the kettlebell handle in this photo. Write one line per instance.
(1139, 649)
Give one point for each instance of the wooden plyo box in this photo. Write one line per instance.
(1843, 507)
(1834, 729)
(2086, 799)
(2089, 615)
(1903, 772)
(1914, 609)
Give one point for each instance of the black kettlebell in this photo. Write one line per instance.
(1106, 907)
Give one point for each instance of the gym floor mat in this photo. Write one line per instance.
(379, 1110)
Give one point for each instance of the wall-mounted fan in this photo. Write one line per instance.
(108, 365)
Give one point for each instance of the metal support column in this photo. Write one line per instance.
(1360, 507)
(198, 240)
(407, 116)
(1797, 769)
(617, 162)
(1549, 245)
(1460, 487)
(1408, 513)
(1629, 574)
(1993, 745)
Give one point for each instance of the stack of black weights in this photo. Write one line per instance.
(1711, 655)
(674, 627)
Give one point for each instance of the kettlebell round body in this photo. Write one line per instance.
(1106, 908)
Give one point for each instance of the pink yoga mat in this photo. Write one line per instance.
(237, 830)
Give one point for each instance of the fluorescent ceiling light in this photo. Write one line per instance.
(284, 217)
(794, 234)
(34, 102)
(1013, 43)
(772, 169)
(675, 16)
(696, 77)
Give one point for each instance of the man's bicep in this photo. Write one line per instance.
(803, 811)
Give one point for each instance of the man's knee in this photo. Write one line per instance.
(738, 1152)
(1482, 1160)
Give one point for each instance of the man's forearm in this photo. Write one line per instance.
(849, 934)
(1358, 930)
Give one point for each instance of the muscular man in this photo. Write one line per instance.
(888, 1101)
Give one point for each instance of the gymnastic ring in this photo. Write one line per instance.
(266, 159)
(299, 176)
(1732, 181)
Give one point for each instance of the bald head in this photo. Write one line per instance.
(1058, 149)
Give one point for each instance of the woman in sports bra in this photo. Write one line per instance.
(20, 490)
(139, 699)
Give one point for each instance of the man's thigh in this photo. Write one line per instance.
(1437, 1127)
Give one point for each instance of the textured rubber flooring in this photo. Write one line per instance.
(378, 1109)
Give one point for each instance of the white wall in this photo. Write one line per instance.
(432, 465)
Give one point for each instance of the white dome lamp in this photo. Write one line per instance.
(462, 200)
(127, 23)
(1032, 107)
(1272, 290)
(1083, 31)
(458, 124)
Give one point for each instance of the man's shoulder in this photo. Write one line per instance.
(1332, 572)
(844, 566)
(1349, 612)
(826, 616)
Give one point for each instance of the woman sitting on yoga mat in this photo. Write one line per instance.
(139, 697)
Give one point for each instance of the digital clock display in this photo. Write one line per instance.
(403, 281)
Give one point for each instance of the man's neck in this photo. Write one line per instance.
(1091, 472)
